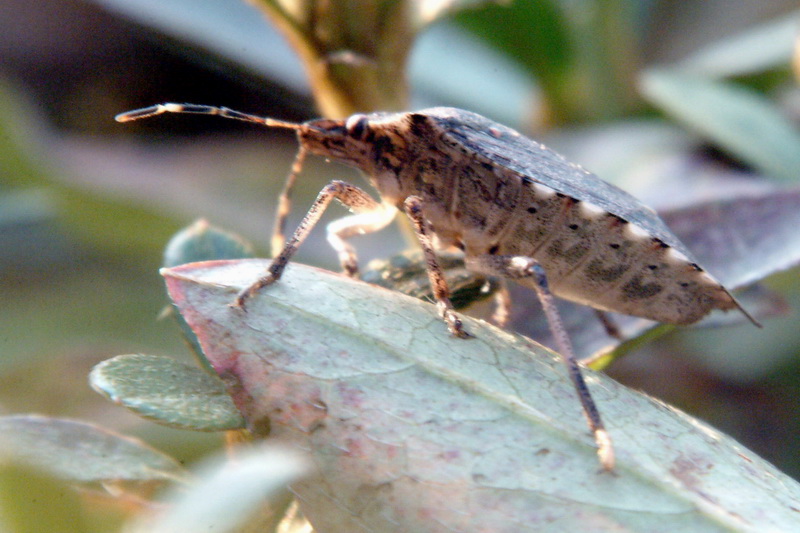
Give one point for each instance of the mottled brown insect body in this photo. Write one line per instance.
(517, 209)
(488, 190)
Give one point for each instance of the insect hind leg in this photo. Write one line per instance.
(519, 267)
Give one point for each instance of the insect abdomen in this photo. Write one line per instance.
(590, 256)
(598, 259)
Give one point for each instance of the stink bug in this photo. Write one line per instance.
(516, 209)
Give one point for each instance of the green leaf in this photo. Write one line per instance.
(82, 452)
(249, 490)
(202, 242)
(582, 54)
(413, 430)
(167, 391)
(766, 46)
(745, 239)
(739, 120)
(426, 12)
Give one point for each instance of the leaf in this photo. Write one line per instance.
(426, 12)
(82, 452)
(229, 492)
(583, 59)
(742, 240)
(167, 391)
(412, 430)
(739, 120)
(201, 241)
(766, 46)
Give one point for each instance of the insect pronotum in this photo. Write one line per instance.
(516, 209)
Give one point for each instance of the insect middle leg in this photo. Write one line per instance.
(371, 216)
(413, 208)
(518, 267)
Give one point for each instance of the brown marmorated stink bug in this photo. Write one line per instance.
(516, 209)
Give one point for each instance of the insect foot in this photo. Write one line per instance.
(249, 292)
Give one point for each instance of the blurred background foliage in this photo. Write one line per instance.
(641, 92)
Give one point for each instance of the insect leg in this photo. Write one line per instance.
(611, 327)
(502, 303)
(374, 218)
(285, 203)
(349, 195)
(413, 208)
(517, 267)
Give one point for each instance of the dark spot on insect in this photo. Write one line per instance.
(459, 245)
(652, 267)
(696, 267)
(684, 284)
(636, 290)
(618, 220)
(487, 166)
(573, 226)
(596, 271)
(561, 195)
(531, 210)
(614, 246)
(494, 249)
(418, 118)
(419, 124)
(658, 242)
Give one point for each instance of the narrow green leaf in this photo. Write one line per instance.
(82, 452)
(167, 391)
(766, 46)
(739, 120)
(230, 494)
(426, 12)
(413, 430)
(745, 239)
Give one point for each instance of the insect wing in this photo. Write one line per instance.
(532, 161)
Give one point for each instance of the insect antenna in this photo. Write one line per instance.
(284, 200)
(195, 109)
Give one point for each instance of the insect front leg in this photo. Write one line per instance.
(518, 267)
(348, 195)
(413, 208)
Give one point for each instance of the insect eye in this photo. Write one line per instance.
(357, 126)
